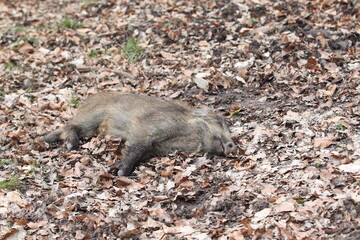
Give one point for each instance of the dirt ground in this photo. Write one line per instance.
(285, 75)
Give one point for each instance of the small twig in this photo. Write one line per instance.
(107, 34)
(91, 68)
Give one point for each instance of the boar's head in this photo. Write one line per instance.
(216, 134)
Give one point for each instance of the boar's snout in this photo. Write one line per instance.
(229, 147)
(222, 146)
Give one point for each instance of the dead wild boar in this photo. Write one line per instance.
(150, 126)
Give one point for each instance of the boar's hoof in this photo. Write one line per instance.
(69, 146)
(115, 169)
(120, 173)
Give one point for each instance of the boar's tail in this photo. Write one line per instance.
(53, 136)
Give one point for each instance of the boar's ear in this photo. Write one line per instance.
(203, 112)
(217, 146)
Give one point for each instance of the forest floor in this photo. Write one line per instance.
(285, 74)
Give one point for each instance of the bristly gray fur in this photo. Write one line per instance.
(150, 126)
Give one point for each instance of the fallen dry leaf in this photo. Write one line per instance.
(268, 189)
(236, 235)
(351, 167)
(37, 225)
(166, 55)
(26, 48)
(322, 142)
(261, 214)
(15, 197)
(285, 207)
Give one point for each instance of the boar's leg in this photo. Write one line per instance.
(85, 124)
(71, 136)
(135, 154)
(52, 137)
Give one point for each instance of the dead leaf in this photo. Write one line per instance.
(261, 215)
(312, 64)
(351, 167)
(26, 48)
(123, 181)
(10, 99)
(156, 212)
(285, 207)
(347, 160)
(135, 186)
(166, 55)
(187, 73)
(244, 64)
(15, 197)
(21, 221)
(175, 94)
(268, 189)
(36, 225)
(322, 142)
(236, 235)
(329, 92)
(200, 97)
(187, 184)
(10, 234)
(203, 74)
(326, 175)
(331, 67)
(201, 83)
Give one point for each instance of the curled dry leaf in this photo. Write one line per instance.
(322, 142)
(331, 67)
(26, 48)
(244, 64)
(329, 92)
(201, 82)
(312, 64)
(37, 225)
(261, 215)
(135, 186)
(245, 164)
(268, 189)
(123, 181)
(351, 167)
(21, 221)
(15, 197)
(187, 73)
(285, 207)
(166, 55)
(187, 184)
(236, 235)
